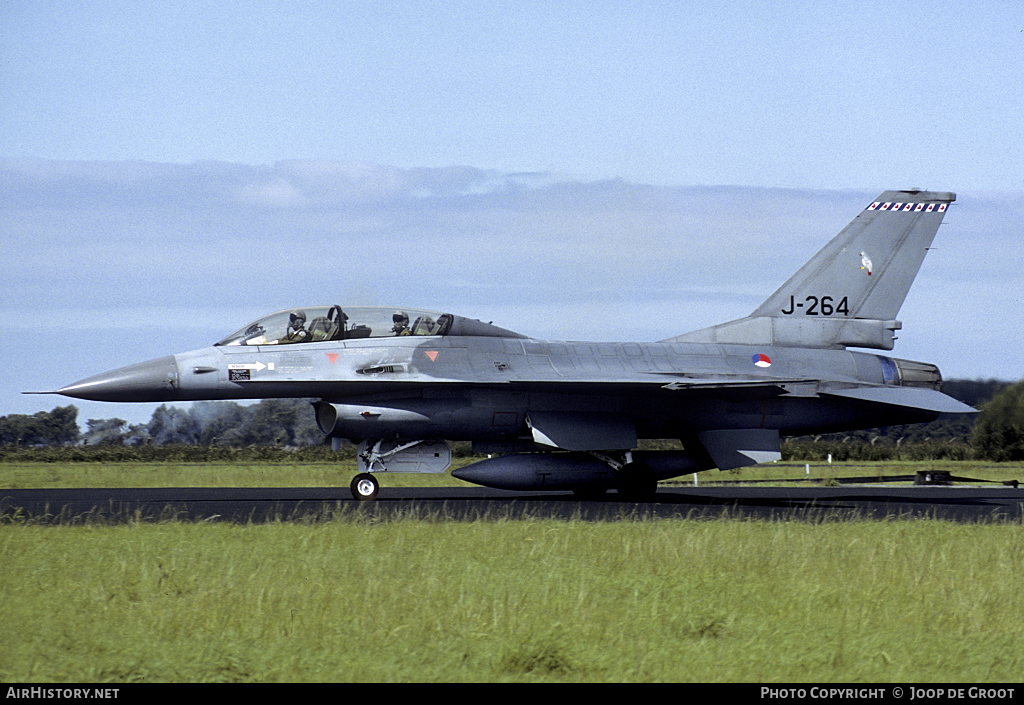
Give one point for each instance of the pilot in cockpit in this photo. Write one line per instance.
(297, 332)
(401, 320)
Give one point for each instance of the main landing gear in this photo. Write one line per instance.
(636, 482)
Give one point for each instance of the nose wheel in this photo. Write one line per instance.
(364, 486)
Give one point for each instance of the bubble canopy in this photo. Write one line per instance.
(314, 324)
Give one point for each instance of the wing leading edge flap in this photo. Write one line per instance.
(582, 430)
(740, 447)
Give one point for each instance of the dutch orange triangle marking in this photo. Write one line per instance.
(432, 354)
(333, 357)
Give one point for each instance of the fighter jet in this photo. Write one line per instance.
(568, 415)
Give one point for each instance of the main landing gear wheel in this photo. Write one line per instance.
(364, 486)
(636, 482)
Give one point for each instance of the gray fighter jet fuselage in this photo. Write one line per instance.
(569, 415)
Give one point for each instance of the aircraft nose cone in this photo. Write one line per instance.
(156, 380)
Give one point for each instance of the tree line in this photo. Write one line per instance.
(271, 422)
(997, 433)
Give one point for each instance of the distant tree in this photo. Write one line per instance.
(281, 422)
(106, 432)
(272, 422)
(307, 433)
(57, 427)
(137, 434)
(219, 422)
(61, 425)
(999, 432)
(172, 424)
(974, 392)
(20, 430)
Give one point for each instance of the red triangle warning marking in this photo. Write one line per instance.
(432, 354)
(333, 357)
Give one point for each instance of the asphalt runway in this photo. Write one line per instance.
(74, 506)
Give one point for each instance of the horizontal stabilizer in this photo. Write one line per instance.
(740, 447)
(910, 397)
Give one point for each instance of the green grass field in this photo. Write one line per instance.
(355, 599)
(347, 600)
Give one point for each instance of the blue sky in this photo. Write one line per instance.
(172, 170)
(792, 94)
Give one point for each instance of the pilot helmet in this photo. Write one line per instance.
(297, 317)
(400, 318)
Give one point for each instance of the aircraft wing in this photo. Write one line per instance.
(662, 385)
(921, 398)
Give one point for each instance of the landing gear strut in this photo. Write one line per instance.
(364, 486)
(634, 480)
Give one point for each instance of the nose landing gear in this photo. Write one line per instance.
(364, 486)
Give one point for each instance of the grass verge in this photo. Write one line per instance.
(496, 600)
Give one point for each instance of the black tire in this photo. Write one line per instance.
(364, 487)
(636, 482)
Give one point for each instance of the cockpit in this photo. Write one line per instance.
(325, 323)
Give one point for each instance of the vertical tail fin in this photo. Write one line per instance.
(851, 291)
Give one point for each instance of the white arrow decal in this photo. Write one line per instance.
(257, 366)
